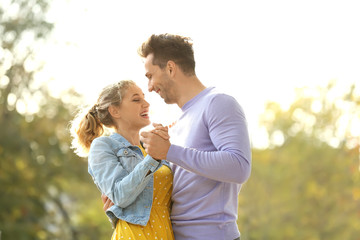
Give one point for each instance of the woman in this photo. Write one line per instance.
(138, 185)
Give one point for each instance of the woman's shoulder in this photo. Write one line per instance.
(101, 143)
(105, 142)
(114, 138)
(115, 142)
(102, 140)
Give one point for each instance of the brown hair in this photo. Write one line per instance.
(167, 47)
(89, 122)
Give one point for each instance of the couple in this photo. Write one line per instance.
(193, 179)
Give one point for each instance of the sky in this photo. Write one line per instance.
(256, 51)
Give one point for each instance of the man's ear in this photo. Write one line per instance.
(114, 111)
(171, 67)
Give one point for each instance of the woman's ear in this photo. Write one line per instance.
(114, 111)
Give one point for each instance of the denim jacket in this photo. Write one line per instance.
(122, 173)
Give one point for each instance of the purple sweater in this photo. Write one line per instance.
(210, 157)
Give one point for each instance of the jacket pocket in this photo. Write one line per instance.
(127, 158)
(125, 152)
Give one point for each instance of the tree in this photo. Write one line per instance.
(46, 192)
(306, 184)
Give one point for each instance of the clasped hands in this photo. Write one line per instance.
(156, 143)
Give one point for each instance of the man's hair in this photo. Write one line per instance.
(167, 47)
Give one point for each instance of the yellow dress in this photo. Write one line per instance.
(159, 225)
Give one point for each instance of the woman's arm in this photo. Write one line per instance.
(119, 185)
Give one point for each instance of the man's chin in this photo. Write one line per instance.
(167, 101)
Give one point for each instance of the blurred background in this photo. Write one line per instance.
(294, 66)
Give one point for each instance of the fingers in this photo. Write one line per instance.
(103, 198)
(162, 128)
(145, 134)
(144, 137)
(106, 201)
(156, 143)
(157, 125)
(161, 133)
(107, 204)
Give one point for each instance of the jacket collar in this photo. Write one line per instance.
(123, 142)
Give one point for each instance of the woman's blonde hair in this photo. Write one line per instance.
(89, 123)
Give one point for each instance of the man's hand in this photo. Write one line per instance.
(155, 145)
(106, 201)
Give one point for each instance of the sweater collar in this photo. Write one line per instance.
(189, 103)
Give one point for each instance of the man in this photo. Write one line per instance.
(209, 149)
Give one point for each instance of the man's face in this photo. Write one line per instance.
(159, 80)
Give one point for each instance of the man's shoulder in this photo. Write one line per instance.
(221, 104)
(215, 96)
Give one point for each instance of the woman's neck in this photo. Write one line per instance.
(131, 135)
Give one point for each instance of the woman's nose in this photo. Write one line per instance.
(146, 104)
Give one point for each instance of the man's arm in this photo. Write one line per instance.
(106, 201)
(231, 162)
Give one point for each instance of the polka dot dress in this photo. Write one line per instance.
(159, 225)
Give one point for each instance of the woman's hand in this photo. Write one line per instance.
(161, 131)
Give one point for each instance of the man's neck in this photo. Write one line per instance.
(189, 87)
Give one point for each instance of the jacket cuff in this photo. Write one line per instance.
(152, 163)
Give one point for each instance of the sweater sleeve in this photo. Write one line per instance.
(231, 161)
(121, 186)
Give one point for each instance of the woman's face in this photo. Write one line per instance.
(134, 109)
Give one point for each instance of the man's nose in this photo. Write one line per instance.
(150, 86)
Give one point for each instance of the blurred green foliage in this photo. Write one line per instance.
(306, 185)
(45, 190)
